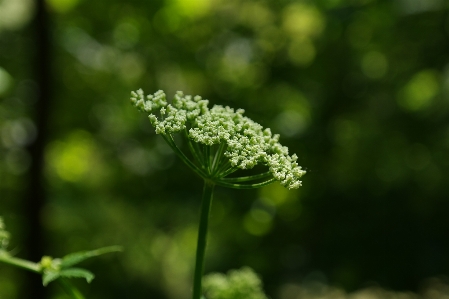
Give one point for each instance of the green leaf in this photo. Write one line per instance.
(75, 258)
(49, 276)
(77, 273)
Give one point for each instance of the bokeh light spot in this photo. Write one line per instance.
(62, 6)
(236, 65)
(419, 92)
(191, 8)
(167, 20)
(89, 51)
(131, 68)
(258, 222)
(277, 195)
(302, 19)
(374, 65)
(126, 34)
(71, 160)
(15, 13)
(255, 14)
(18, 133)
(290, 123)
(413, 6)
(5, 81)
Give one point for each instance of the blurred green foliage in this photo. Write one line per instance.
(359, 89)
(238, 284)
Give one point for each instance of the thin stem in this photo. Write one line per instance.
(222, 166)
(202, 238)
(228, 171)
(24, 264)
(34, 267)
(212, 156)
(247, 178)
(169, 139)
(218, 157)
(70, 289)
(244, 186)
(194, 150)
(207, 159)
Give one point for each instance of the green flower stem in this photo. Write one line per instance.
(244, 186)
(218, 157)
(223, 166)
(206, 150)
(194, 150)
(247, 178)
(24, 264)
(204, 159)
(202, 238)
(228, 171)
(212, 155)
(169, 139)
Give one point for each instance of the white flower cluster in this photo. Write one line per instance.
(247, 143)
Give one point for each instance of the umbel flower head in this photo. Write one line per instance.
(221, 141)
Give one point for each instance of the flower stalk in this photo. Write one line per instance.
(221, 141)
(206, 202)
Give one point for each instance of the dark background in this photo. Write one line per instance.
(358, 89)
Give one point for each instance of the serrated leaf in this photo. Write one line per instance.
(75, 258)
(77, 273)
(49, 276)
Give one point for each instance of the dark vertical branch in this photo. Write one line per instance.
(35, 194)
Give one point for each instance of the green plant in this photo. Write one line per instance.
(237, 284)
(51, 269)
(223, 143)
